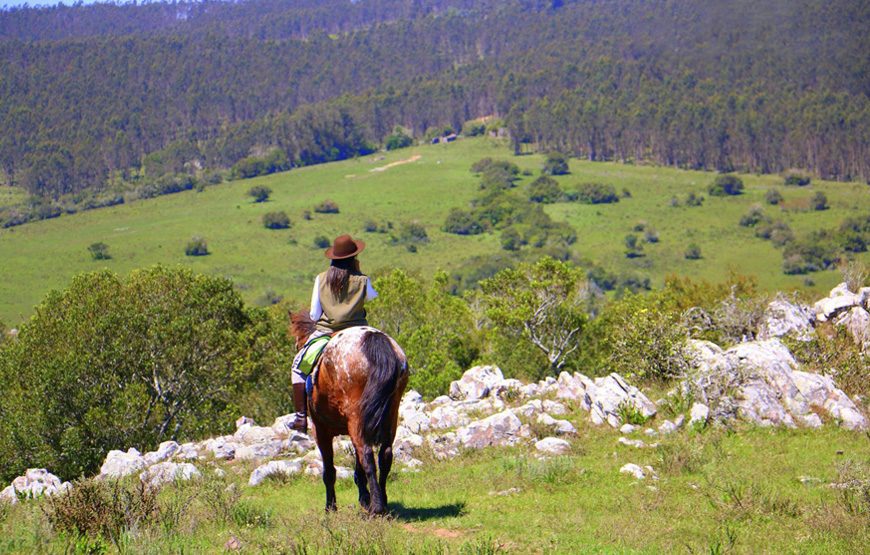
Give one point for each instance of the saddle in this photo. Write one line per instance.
(310, 357)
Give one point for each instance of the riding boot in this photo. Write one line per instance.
(300, 402)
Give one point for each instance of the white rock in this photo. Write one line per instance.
(8, 495)
(561, 427)
(221, 447)
(605, 396)
(119, 463)
(444, 446)
(343, 473)
(36, 482)
(447, 416)
(262, 450)
(244, 421)
(699, 414)
(440, 400)
(248, 434)
(476, 383)
(414, 418)
(283, 424)
(634, 470)
(162, 473)
(628, 428)
(841, 290)
(829, 307)
(164, 451)
(275, 468)
(553, 446)
(533, 407)
(650, 432)
(783, 317)
(553, 407)
(857, 323)
(631, 442)
(411, 397)
(499, 429)
(507, 388)
(668, 427)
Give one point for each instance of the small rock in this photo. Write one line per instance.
(499, 429)
(650, 432)
(343, 473)
(634, 470)
(165, 472)
(699, 414)
(119, 463)
(628, 428)
(639, 444)
(562, 427)
(553, 446)
(274, 468)
(476, 383)
(233, 544)
(509, 491)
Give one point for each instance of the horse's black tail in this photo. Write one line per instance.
(385, 367)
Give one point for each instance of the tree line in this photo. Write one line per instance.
(134, 93)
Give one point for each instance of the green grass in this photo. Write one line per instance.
(10, 196)
(44, 255)
(743, 494)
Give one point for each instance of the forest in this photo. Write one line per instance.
(100, 99)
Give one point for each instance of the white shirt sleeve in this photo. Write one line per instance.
(370, 291)
(316, 310)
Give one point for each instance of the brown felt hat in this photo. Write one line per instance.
(345, 246)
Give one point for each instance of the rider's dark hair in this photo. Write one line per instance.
(339, 274)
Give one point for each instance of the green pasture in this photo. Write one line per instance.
(40, 256)
(756, 491)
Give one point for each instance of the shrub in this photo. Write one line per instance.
(633, 248)
(674, 202)
(555, 164)
(276, 220)
(327, 207)
(322, 242)
(693, 252)
(373, 226)
(511, 240)
(175, 349)
(725, 185)
(626, 193)
(779, 233)
(596, 193)
(473, 128)
(753, 217)
(545, 190)
(99, 251)
(485, 164)
(411, 234)
(773, 196)
(398, 139)
(819, 201)
(499, 176)
(694, 200)
(650, 235)
(196, 247)
(259, 193)
(462, 222)
(252, 166)
(306, 215)
(797, 178)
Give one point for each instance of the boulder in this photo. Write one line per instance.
(633, 470)
(838, 300)
(283, 424)
(561, 427)
(668, 427)
(221, 447)
(605, 395)
(248, 434)
(857, 323)
(553, 446)
(508, 388)
(119, 463)
(263, 450)
(36, 482)
(476, 383)
(783, 317)
(499, 429)
(164, 451)
(162, 473)
(275, 468)
(405, 443)
(628, 428)
(444, 446)
(244, 421)
(447, 416)
(414, 418)
(533, 407)
(637, 443)
(699, 414)
(187, 451)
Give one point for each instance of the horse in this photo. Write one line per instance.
(359, 384)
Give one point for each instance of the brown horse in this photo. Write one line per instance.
(361, 378)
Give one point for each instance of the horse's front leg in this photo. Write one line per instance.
(385, 462)
(324, 443)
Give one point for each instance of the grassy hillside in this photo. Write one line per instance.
(757, 491)
(40, 256)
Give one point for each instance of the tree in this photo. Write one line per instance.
(398, 139)
(99, 251)
(276, 220)
(819, 201)
(110, 363)
(725, 185)
(545, 190)
(542, 303)
(555, 164)
(260, 193)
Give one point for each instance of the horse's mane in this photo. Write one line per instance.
(301, 327)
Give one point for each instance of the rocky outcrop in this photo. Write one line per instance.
(167, 472)
(477, 383)
(35, 483)
(504, 428)
(785, 318)
(839, 300)
(760, 381)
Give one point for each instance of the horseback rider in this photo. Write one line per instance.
(337, 302)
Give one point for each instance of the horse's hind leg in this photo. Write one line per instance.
(385, 462)
(324, 443)
(359, 478)
(366, 458)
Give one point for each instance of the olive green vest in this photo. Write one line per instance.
(344, 311)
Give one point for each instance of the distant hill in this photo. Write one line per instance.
(94, 98)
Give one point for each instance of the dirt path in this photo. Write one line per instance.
(413, 158)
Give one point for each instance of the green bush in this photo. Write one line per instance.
(321, 242)
(754, 216)
(462, 222)
(796, 178)
(110, 362)
(473, 128)
(276, 220)
(545, 190)
(435, 328)
(633, 247)
(773, 196)
(778, 232)
(555, 164)
(725, 185)
(485, 164)
(819, 201)
(398, 139)
(252, 166)
(259, 193)
(596, 193)
(693, 252)
(694, 200)
(196, 247)
(327, 207)
(99, 251)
